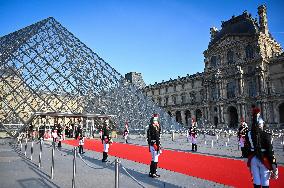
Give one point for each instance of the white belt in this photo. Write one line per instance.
(263, 150)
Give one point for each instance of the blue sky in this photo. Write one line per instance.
(161, 39)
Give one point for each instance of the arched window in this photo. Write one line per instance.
(230, 57)
(249, 52)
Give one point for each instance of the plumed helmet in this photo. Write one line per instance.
(255, 110)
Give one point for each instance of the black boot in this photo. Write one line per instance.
(195, 147)
(192, 147)
(256, 186)
(104, 157)
(151, 169)
(242, 149)
(155, 175)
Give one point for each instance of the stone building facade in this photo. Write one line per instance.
(243, 66)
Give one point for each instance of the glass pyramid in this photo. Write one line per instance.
(45, 68)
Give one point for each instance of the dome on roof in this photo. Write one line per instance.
(241, 25)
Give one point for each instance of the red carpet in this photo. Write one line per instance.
(221, 170)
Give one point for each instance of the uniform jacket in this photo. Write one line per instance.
(264, 152)
(193, 131)
(153, 135)
(106, 135)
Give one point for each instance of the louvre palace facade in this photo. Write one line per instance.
(244, 65)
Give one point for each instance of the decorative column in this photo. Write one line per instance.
(243, 112)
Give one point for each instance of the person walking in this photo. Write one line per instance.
(261, 160)
(243, 129)
(153, 138)
(106, 140)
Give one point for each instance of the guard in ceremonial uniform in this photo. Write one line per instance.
(153, 138)
(243, 129)
(126, 132)
(106, 140)
(193, 135)
(81, 144)
(54, 134)
(261, 159)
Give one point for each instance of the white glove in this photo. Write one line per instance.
(274, 172)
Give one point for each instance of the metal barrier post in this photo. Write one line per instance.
(74, 167)
(52, 160)
(40, 151)
(116, 173)
(21, 145)
(26, 146)
(32, 150)
(173, 135)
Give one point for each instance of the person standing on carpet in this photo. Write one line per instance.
(126, 132)
(153, 138)
(81, 144)
(193, 135)
(106, 140)
(243, 129)
(261, 159)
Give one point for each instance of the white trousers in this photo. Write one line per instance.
(259, 172)
(193, 140)
(242, 142)
(106, 146)
(155, 154)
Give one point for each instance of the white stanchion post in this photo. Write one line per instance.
(212, 144)
(205, 142)
(226, 144)
(173, 135)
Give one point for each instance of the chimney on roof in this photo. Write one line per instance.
(213, 32)
(263, 19)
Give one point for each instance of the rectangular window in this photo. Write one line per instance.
(183, 99)
(167, 101)
(214, 93)
(252, 88)
(231, 89)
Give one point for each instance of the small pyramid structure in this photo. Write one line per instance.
(45, 68)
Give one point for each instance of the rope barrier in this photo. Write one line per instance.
(132, 176)
(107, 165)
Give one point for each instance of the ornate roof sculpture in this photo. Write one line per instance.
(50, 70)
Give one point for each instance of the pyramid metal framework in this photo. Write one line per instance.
(45, 68)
